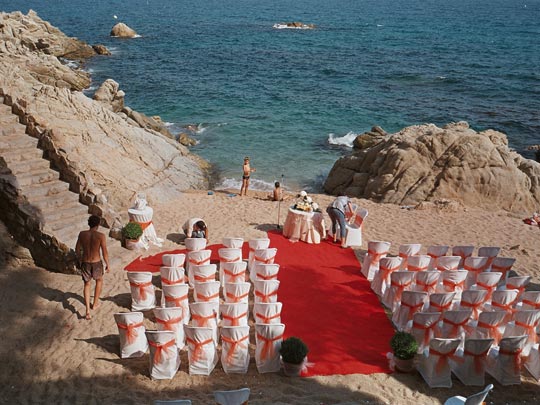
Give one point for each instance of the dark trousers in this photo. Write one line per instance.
(337, 217)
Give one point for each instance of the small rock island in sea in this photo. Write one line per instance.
(294, 26)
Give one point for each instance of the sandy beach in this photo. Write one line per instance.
(52, 355)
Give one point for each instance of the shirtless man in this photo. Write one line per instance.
(245, 177)
(91, 245)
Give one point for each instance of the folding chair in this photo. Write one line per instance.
(235, 349)
(463, 252)
(504, 361)
(205, 315)
(490, 252)
(473, 300)
(474, 265)
(267, 312)
(423, 328)
(503, 265)
(448, 263)
(234, 314)
(195, 244)
(268, 338)
(436, 251)
(433, 364)
(197, 258)
(454, 324)
(202, 352)
(202, 273)
(487, 281)
(254, 244)
(475, 399)
(265, 271)
(426, 281)
(376, 251)
(381, 279)
(131, 331)
(418, 263)
(400, 281)
(171, 319)
(261, 256)
(228, 255)
(265, 290)
(143, 296)
(176, 296)
(441, 302)
(471, 368)
(353, 230)
(408, 250)
(490, 325)
(172, 275)
(164, 358)
(173, 260)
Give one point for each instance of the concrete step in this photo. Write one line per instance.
(68, 236)
(49, 189)
(69, 219)
(37, 176)
(8, 118)
(68, 211)
(16, 143)
(6, 128)
(56, 201)
(21, 154)
(29, 166)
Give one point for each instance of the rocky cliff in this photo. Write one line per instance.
(426, 163)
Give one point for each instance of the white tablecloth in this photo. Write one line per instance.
(305, 226)
(144, 217)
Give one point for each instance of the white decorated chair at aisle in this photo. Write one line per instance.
(524, 322)
(235, 349)
(471, 367)
(473, 300)
(197, 258)
(448, 263)
(503, 265)
(131, 332)
(228, 255)
(267, 312)
(400, 281)
(418, 263)
(424, 327)
(490, 325)
(164, 358)
(503, 300)
(234, 314)
(232, 397)
(532, 363)
(261, 256)
(143, 295)
(453, 281)
(407, 250)
(433, 364)
(236, 292)
(441, 302)
(142, 214)
(172, 402)
(353, 229)
(504, 361)
(206, 292)
(173, 259)
(202, 273)
(265, 290)
(487, 281)
(266, 271)
(202, 350)
(475, 399)
(381, 279)
(233, 243)
(411, 303)
(255, 244)
(426, 281)
(529, 300)
(233, 272)
(195, 244)
(463, 251)
(518, 283)
(172, 275)
(376, 251)
(490, 252)
(205, 315)
(475, 265)
(455, 324)
(176, 296)
(171, 319)
(434, 252)
(268, 338)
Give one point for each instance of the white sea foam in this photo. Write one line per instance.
(168, 124)
(380, 25)
(346, 140)
(236, 184)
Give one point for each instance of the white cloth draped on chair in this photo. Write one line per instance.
(381, 279)
(197, 258)
(205, 292)
(171, 319)
(426, 281)
(434, 252)
(173, 260)
(176, 296)
(418, 263)
(448, 263)
(234, 243)
(172, 275)
(433, 364)
(202, 351)
(441, 302)
(455, 323)
(490, 325)
(490, 252)
(234, 314)
(143, 296)
(407, 250)
(202, 273)
(254, 244)
(474, 265)
(131, 332)
(164, 358)
(236, 292)
(463, 252)
(424, 327)
(504, 361)
(265, 271)
(265, 290)
(232, 273)
(205, 315)
(235, 349)
(471, 367)
(400, 281)
(261, 256)
(268, 338)
(267, 312)
(503, 265)
(376, 251)
(411, 303)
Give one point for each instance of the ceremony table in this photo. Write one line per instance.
(305, 226)
(144, 218)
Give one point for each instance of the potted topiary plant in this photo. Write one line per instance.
(404, 348)
(293, 355)
(132, 233)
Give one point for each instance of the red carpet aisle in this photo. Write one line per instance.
(326, 302)
(330, 305)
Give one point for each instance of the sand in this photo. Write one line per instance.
(50, 354)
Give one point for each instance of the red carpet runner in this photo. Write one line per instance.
(326, 302)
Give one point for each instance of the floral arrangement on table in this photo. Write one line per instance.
(305, 203)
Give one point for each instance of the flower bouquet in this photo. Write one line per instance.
(305, 203)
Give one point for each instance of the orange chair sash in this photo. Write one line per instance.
(169, 323)
(453, 284)
(202, 279)
(376, 256)
(475, 307)
(478, 360)
(513, 287)
(268, 347)
(203, 320)
(269, 260)
(386, 271)
(160, 348)
(264, 277)
(531, 330)
(267, 319)
(413, 308)
(199, 262)
(473, 269)
(487, 287)
(236, 298)
(197, 350)
(399, 289)
(131, 332)
(495, 332)
(535, 305)
(171, 282)
(427, 287)
(234, 276)
(177, 300)
(440, 307)
(234, 344)
(455, 326)
(410, 267)
(234, 320)
(233, 260)
(265, 297)
(517, 357)
(426, 329)
(443, 359)
(142, 288)
(207, 298)
(143, 225)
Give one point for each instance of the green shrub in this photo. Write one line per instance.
(293, 350)
(132, 230)
(404, 345)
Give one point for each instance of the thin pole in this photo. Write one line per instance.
(279, 202)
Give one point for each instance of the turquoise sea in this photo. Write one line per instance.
(293, 99)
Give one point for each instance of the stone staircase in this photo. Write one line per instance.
(59, 212)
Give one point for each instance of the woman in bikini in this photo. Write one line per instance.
(247, 170)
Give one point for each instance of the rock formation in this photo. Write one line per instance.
(427, 163)
(121, 30)
(101, 49)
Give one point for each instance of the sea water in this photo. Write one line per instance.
(294, 100)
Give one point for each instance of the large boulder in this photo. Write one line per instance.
(110, 95)
(121, 30)
(426, 163)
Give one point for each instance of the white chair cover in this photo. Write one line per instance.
(268, 338)
(381, 279)
(487, 281)
(202, 351)
(195, 244)
(172, 319)
(441, 302)
(426, 281)
(452, 281)
(434, 365)
(228, 255)
(233, 243)
(353, 230)
(254, 244)
(232, 273)
(503, 265)
(173, 260)
(418, 263)
(143, 295)
(473, 300)
(471, 368)
(176, 296)
(490, 252)
(407, 250)
(423, 328)
(172, 402)
(205, 315)
(267, 312)
(532, 364)
(164, 358)
(131, 330)
(504, 362)
(525, 322)
(233, 397)
(400, 281)
(235, 349)
(530, 300)
(197, 258)
(376, 251)
(143, 217)
(202, 273)
(266, 271)
(206, 292)
(475, 399)
(234, 314)
(490, 325)
(262, 256)
(448, 263)
(411, 302)
(265, 290)
(236, 292)
(463, 252)
(503, 300)
(434, 252)
(454, 324)
(172, 275)
(518, 283)
(474, 265)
